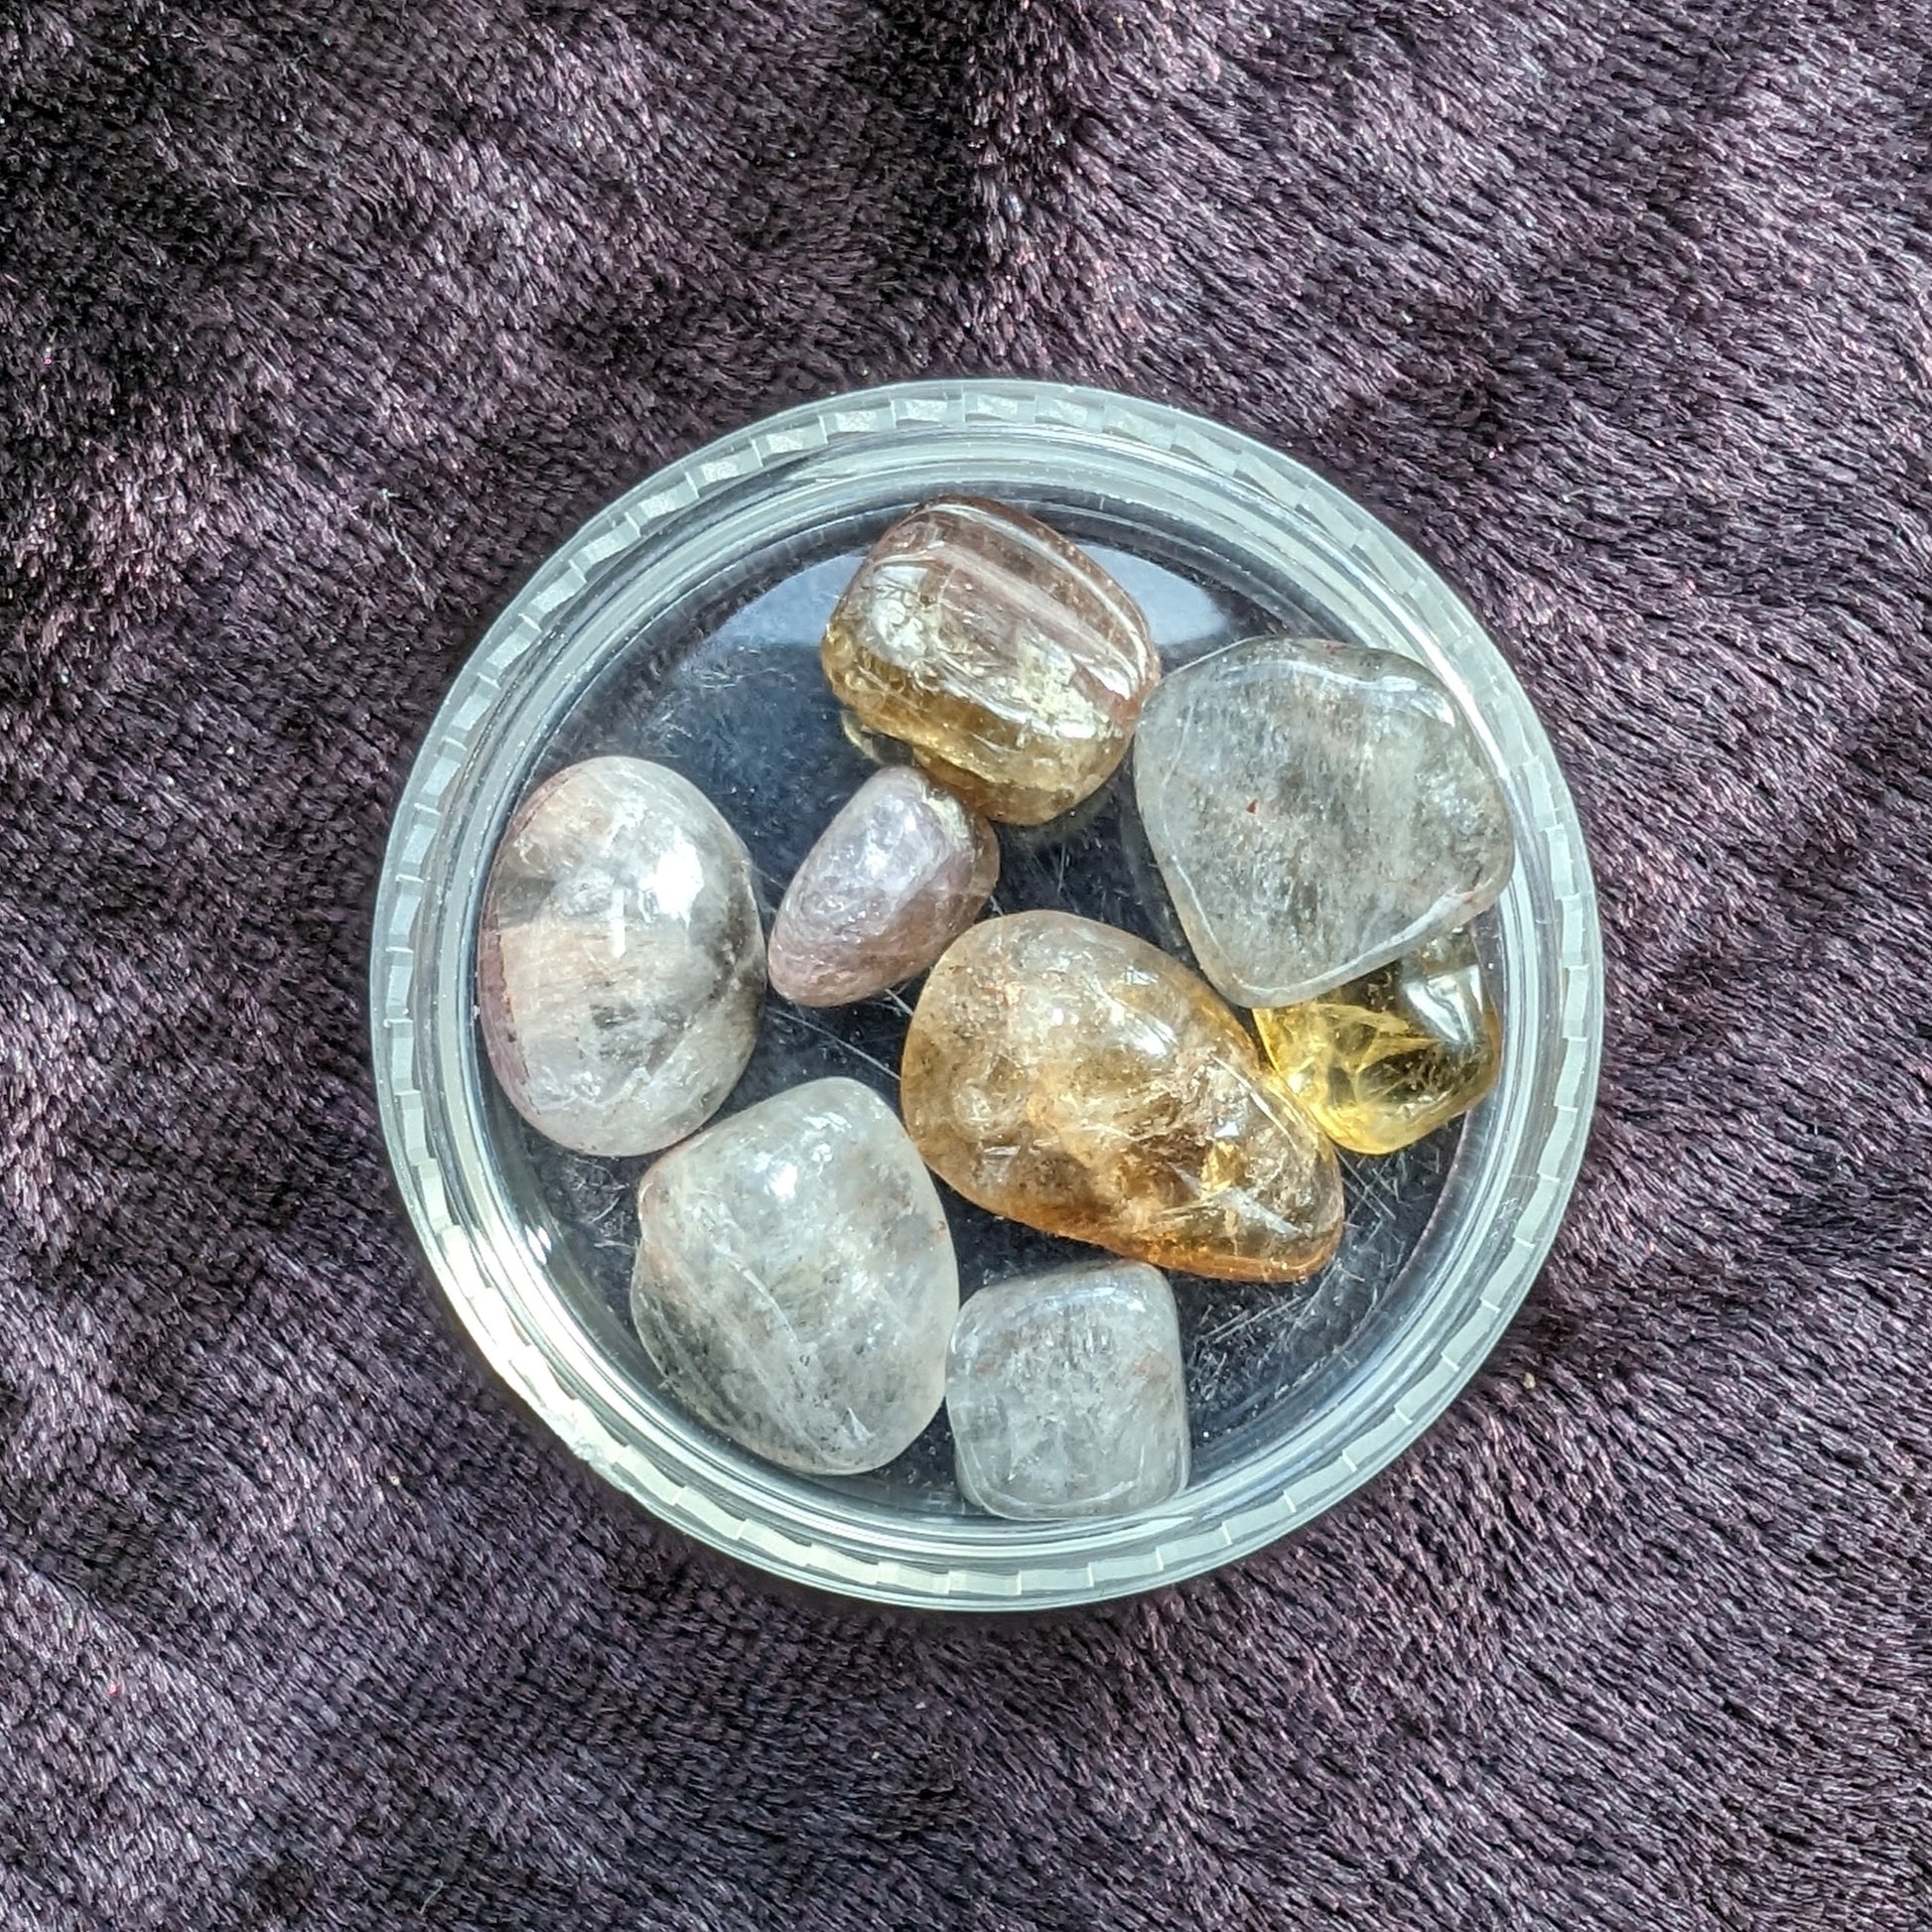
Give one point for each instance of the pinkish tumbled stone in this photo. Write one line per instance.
(894, 878)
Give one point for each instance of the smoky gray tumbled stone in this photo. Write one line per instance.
(1066, 1393)
(1317, 809)
(795, 1283)
(620, 961)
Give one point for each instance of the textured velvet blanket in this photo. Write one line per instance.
(321, 322)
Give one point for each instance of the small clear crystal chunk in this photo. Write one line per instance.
(1066, 1393)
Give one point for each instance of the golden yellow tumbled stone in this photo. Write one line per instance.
(1390, 1056)
(1072, 1078)
(1003, 655)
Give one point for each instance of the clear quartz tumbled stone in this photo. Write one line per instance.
(795, 1282)
(1066, 1393)
(1317, 810)
(620, 958)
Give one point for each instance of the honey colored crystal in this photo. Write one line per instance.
(1072, 1078)
(1392, 1055)
(1004, 657)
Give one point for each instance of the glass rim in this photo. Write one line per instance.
(1509, 1185)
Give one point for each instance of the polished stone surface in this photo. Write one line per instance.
(795, 1283)
(902, 870)
(620, 958)
(1317, 810)
(1395, 1054)
(1008, 660)
(1079, 1080)
(1065, 1394)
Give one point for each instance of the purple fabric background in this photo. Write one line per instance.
(321, 324)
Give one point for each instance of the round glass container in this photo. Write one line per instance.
(682, 623)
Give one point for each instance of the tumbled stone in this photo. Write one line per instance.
(1008, 660)
(1393, 1055)
(902, 870)
(1317, 809)
(619, 959)
(1072, 1078)
(795, 1283)
(1066, 1393)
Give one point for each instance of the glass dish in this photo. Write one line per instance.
(682, 623)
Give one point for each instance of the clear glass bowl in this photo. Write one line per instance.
(682, 623)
